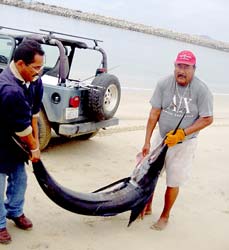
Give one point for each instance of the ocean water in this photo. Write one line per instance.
(137, 59)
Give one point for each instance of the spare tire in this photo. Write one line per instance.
(104, 97)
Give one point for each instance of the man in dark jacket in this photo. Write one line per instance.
(21, 93)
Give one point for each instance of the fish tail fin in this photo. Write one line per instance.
(135, 213)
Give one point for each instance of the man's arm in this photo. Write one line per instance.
(152, 121)
(35, 129)
(32, 140)
(199, 124)
(173, 139)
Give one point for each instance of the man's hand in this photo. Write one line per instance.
(172, 140)
(145, 149)
(35, 155)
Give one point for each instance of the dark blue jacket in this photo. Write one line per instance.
(17, 106)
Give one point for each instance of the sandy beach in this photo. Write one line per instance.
(199, 220)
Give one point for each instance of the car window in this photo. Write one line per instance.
(51, 55)
(6, 47)
(84, 64)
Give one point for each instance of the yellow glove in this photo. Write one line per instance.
(172, 140)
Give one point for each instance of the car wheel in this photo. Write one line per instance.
(44, 130)
(104, 97)
(87, 136)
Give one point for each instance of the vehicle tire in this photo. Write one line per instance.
(87, 136)
(44, 130)
(104, 97)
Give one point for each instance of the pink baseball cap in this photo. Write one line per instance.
(186, 57)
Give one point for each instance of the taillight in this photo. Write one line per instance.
(74, 101)
(100, 71)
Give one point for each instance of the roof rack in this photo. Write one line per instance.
(81, 37)
(8, 28)
(51, 33)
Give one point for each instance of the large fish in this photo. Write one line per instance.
(131, 193)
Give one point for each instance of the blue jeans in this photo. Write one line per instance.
(12, 206)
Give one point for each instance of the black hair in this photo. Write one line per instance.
(26, 51)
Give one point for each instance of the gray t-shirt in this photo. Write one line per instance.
(173, 99)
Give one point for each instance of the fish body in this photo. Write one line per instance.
(131, 193)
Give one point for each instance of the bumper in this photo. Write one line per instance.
(86, 127)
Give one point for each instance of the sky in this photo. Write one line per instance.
(200, 17)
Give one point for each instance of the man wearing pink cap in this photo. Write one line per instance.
(174, 95)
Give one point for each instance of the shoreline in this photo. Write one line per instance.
(150, 89)
(118, 23)
(137, 115)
